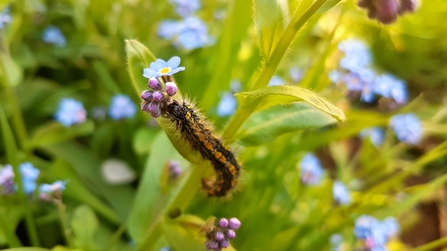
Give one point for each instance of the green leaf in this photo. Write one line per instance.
(328, 5)
(12, 72)
(142, 141)
(148, 197)
(84, 225)
(87, 164)
(138, 58)
(269, 124)
(53, 132)
(280, 95)
(61, 170)
(269, 21)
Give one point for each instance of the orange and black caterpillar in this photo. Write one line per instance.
(190, 124)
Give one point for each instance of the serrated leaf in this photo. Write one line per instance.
(280, 95)
(269, 124)
(138, 58)
(84, 225)
(269, 23)
(53, 132)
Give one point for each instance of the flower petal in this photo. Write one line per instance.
(173, 62)
(173, 71)
(158, 64)
(150, 73)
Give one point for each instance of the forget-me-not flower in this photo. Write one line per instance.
(122, 107)
(5, 17)
(311, 171)
(53, 35)
(276, 80)
(341, 193)
(70, 112)
(375, 134)
(375, 233)
(29, 176)
(407, 127)
(168, 29)
(162, 68)
(186, 8)
(390, 86)
(7, 179)
(357, 55)
(54, 190)
(227, 105)
(193, 34)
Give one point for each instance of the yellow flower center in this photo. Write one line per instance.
(165, 70)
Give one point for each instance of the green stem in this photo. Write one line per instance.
(270, 66)
(116, 237)
(431, 245)
(64, 221)
(181, 199)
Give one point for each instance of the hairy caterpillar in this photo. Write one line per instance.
(192, 126)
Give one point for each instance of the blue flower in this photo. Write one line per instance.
(407, 127)
(311, 171)
(186, 7)
(363, 225)
(335, 76)
(7, 179)
(296, 74)
(122, 107)
(70, 112)
(276, 80)
(162, 68)
(29, 176)
(53, 35)
(355, 82)
(336, 240)
(227, 105)
(375, 134)
(57, 186)
(5, 17)
(391, 226)
(168, 29)
(357, 55)
(193, 34)
(341, 193)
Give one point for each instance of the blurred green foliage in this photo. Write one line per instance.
(109, 43)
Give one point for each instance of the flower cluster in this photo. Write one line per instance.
(386, 11)
(219, 236)
(375, 233)
(70, 112)
(311, 171)
(341, 193)
(359, 77)
(189, 33)
(407, 127)
(53, 35)
(122, 107)
(54, 190)
(161, 86)
(29, 176)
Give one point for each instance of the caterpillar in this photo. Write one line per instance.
(192, 126)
